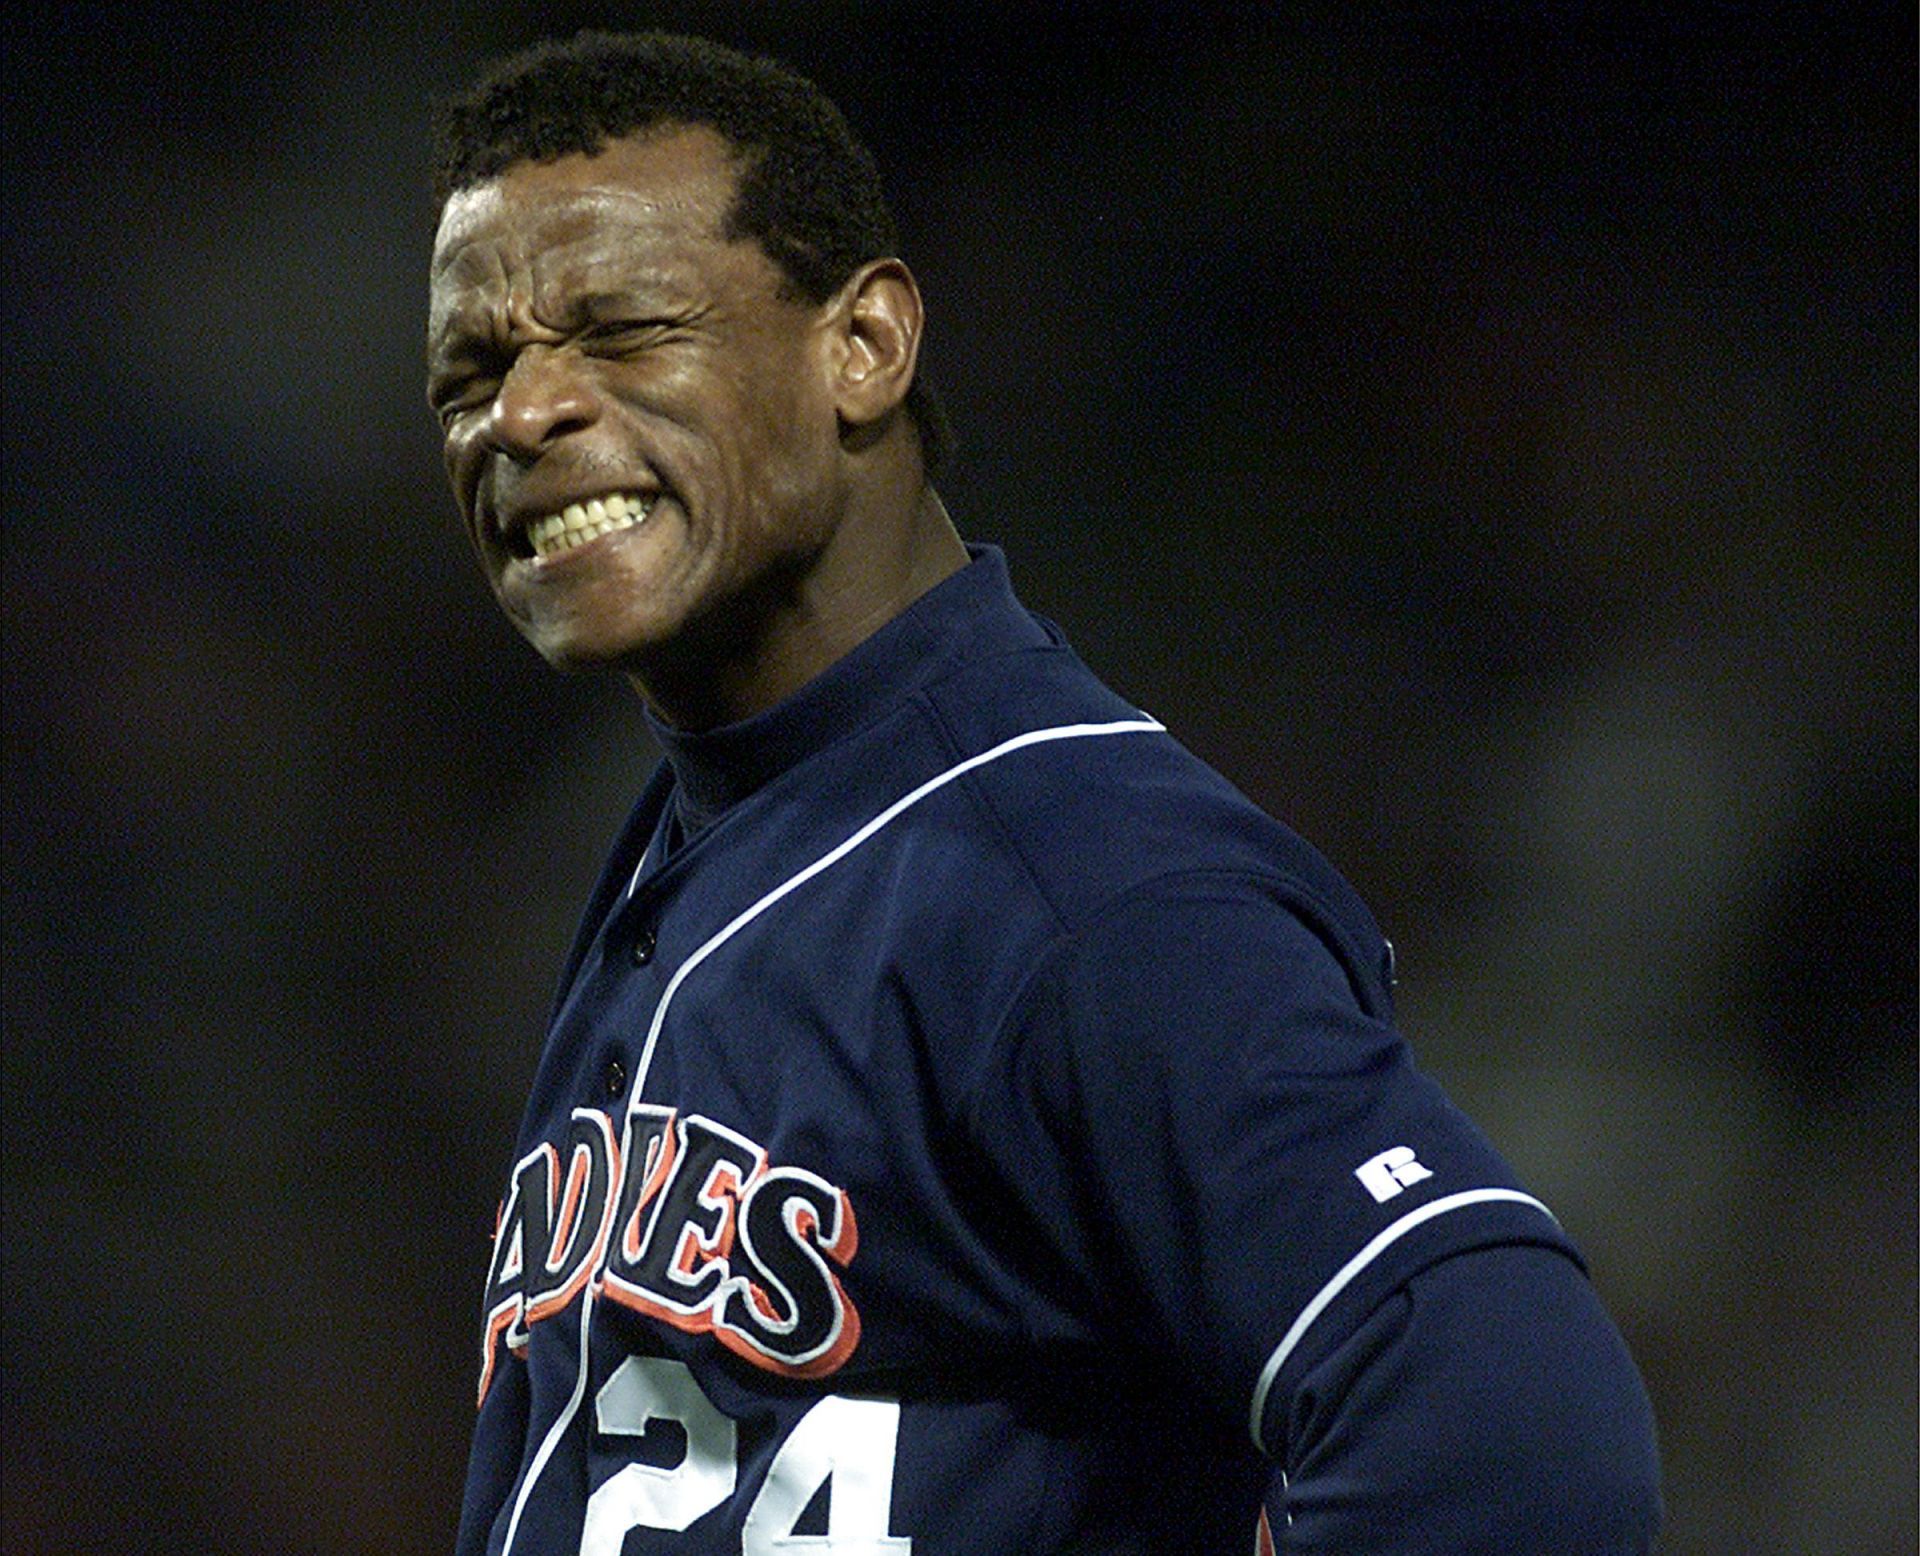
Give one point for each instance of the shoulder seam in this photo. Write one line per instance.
(1049, 951)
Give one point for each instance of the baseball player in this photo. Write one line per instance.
(966, 1123)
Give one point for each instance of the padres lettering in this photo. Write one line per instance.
(681, 1219)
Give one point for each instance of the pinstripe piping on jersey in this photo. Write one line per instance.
(1140, 726)
(1374, 1248)
(559, 1427)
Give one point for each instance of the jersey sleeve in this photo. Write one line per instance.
(1450, 1422)
(1237, 1159)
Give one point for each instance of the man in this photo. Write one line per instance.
(967, 1124)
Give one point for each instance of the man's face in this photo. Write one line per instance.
(638, 424)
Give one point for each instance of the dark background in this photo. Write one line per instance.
(1487, 435)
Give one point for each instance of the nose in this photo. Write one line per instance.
(543, 397)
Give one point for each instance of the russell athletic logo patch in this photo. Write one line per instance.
(682, 1219)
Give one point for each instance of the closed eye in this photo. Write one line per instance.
(455, 399)
(465, 380)
(623, 335)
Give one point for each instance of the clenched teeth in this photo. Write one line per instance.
(578, 523)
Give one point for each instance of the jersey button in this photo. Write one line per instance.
(615, 1079)
(644, 941)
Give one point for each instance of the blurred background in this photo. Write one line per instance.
(1487, 436)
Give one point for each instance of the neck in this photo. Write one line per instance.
(760, 652)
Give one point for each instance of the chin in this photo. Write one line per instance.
(573, 651)
(567, 659)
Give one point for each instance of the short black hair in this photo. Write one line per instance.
(809, 192)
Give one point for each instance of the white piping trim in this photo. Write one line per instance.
(834, 855)
(640, 869)
(1140, 726)
(559, 1427)
(1353, 1267)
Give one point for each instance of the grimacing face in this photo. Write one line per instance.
(638, 420)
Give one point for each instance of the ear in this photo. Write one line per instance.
(877, 342)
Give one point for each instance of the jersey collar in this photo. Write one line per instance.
(964, 618)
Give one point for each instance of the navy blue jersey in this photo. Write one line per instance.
(965, 1125)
